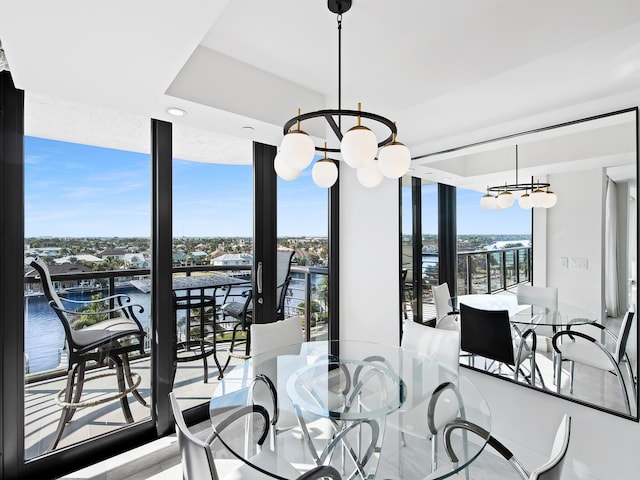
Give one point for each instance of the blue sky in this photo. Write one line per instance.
(471, 218)
(74, 190)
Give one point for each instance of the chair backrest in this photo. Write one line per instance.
(442, 300)
(486, 333)
(283, 270)
(552, 470)
(53, 298)
(267, 336)
(197, 458)
(623, 336)
(286, 336)
(546, 297)
(443, 345)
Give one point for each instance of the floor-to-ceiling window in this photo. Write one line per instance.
(87, 214)
(420, 253)
(95, 198)
(494, 246)
(212, 234)
(303, 226)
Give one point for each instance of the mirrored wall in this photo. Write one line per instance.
(585, 247)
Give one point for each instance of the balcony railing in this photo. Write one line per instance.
(44, 336)
(490, 271)
(483, 271)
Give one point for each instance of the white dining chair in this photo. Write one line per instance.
(576, 346)
(544, 297)
(446, 317)
(429, 418)
(199, 462)
(550, 470)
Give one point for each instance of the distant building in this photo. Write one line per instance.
(181, 259)
(114, 253)
(135, 260)
(199, 257)
(45, 251)
(233, 259)
(79, 258)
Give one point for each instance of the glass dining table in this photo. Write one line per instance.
(355, 405)
(530, 319)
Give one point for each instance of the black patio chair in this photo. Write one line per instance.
(107, 341)
(238, 302)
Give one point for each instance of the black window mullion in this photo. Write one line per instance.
(265, 243)
(447, 237)
(163, 321)
(12, 290)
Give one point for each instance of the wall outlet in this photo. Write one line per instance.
(578, 264)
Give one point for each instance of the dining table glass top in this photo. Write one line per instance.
(354, 405)
(528, 315)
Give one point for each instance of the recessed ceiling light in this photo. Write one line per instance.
(446, 179)
(175, 111)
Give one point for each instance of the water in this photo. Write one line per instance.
(44, 335)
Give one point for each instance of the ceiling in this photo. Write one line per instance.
(439, 69)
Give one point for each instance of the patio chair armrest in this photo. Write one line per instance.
(119, 296)
(245, 286)
(126, 310)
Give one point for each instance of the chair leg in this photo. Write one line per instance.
(127, 372)
(65, 414)
(124, 402)
(572, 366)
(558, 373)
(77, 390)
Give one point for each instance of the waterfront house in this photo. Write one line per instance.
(450, 74)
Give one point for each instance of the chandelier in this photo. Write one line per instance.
(505, 198)
(358, 146)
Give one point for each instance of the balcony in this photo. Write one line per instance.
(483, 271)
(45, 356)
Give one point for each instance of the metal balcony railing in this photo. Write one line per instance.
(44, 357)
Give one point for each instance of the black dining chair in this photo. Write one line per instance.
(488, 334)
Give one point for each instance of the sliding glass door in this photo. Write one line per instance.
(87, 215)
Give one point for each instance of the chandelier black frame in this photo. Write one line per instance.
(518, 187)
(339, 7)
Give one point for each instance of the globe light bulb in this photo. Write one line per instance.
(506, 199)
(550, 199)
(283, 170)
(394, 160)
(297, 149)
(525, 201)
(358, 146)
(370, 175)
(538, 198)
(488, 201)
(324, 173)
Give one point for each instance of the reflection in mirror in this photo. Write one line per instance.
(585, 247)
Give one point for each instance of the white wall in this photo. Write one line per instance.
(369, 260)
(603, 446)
(574, 231)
